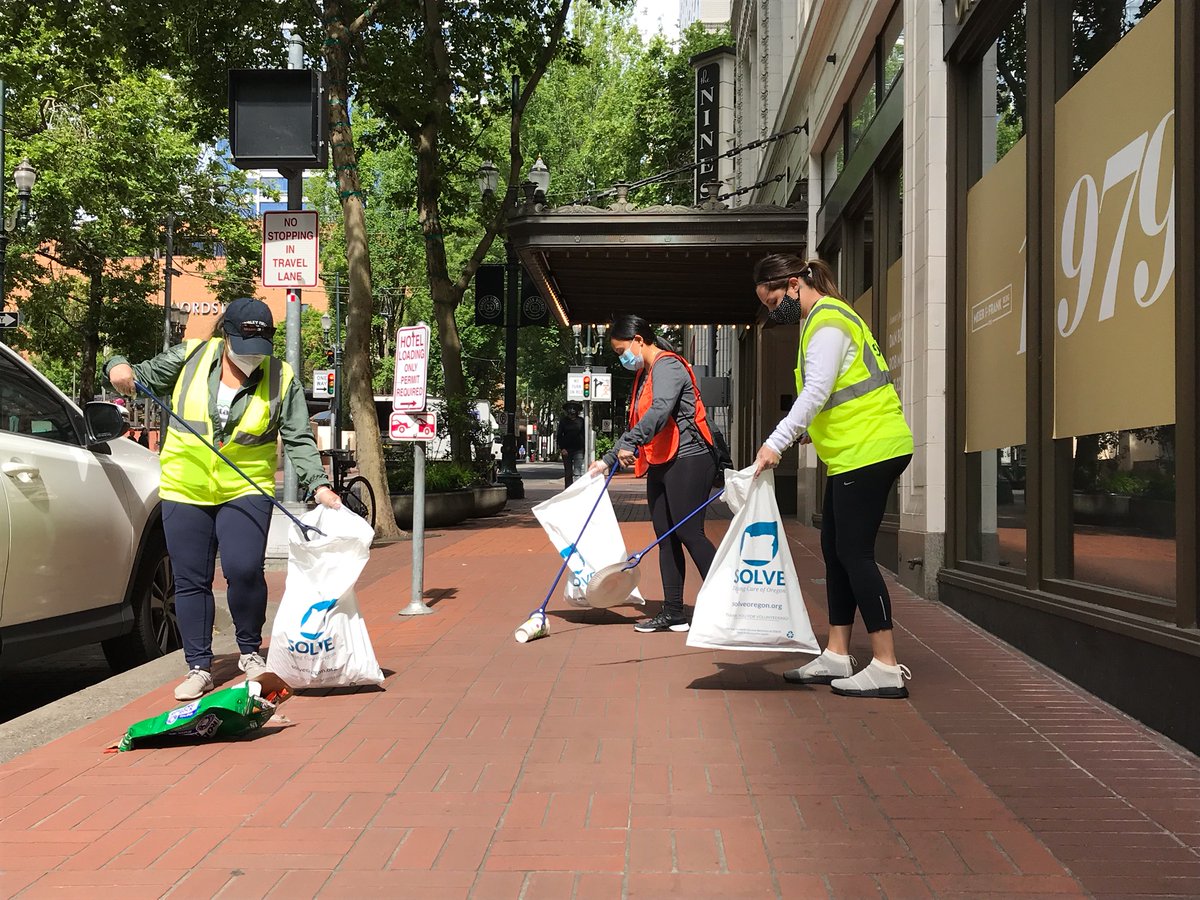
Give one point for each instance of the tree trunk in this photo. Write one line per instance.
(357, 371)
(91, 336)
(446, 295)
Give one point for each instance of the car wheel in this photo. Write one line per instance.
(155, 629)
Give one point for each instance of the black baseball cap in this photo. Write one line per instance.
(249, 327)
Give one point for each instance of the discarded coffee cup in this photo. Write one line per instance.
(534, 627)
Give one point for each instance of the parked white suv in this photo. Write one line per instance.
(82, 553)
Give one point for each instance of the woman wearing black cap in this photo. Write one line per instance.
(239, 397)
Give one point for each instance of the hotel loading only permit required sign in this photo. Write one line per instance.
(412, 366)
(290, 249)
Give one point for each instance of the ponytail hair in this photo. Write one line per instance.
(626, 328)
(775, 270)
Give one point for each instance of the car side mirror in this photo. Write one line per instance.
(104, 422)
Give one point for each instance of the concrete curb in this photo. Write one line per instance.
(48, 723)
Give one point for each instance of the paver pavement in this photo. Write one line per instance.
(601, 763)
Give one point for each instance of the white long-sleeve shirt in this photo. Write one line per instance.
(830, 353)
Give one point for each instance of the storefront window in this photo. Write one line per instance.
(1098, 25)
(994, 316)
(892, 44)
(832, 160)
(1114, 293)
(863, 104)
(1123, 510)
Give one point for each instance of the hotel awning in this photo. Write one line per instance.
(670, 264)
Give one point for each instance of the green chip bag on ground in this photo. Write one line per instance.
(229, 712)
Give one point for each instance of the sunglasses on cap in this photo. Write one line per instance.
(251, 330)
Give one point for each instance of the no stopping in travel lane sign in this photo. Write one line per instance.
(290, 249)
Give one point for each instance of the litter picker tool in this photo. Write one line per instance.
(535, 626)
(612, 585)
(304, 529)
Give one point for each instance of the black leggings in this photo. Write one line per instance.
(673, 490)
(854, 505)
(194, 533)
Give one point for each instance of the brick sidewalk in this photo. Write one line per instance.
(600, 763)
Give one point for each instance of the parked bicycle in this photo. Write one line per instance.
(356, 492)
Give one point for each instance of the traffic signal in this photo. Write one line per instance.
(587, 387)
(331, 385)
(329, 356)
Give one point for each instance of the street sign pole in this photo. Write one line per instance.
(295, 200)
(408, 392)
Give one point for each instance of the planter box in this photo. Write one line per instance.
(1155, 517)
(1101, 509)
(441, 509)
(490, 500)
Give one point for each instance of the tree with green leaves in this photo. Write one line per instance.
(114, 159)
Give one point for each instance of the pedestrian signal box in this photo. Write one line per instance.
(323, 384)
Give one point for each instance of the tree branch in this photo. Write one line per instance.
(516, 161)
(367, 17)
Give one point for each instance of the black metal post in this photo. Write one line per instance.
(167, 273)
(337, 362)
(509, 476)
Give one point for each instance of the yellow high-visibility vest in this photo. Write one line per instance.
(862, 422)
(191, 472)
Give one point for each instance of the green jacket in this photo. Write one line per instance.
(160, 373)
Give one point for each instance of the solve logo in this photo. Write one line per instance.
(759, 548)
(316, 620)
(577, 564)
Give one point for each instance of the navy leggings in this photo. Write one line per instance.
(194, 533)
(673, 490)
(850, 519)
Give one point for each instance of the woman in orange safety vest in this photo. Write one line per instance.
(669, 442)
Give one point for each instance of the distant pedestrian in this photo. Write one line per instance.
(242, 399)
(571, 443)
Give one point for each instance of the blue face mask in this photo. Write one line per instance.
(631, 360)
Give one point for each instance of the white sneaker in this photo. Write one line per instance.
(198, 683)
(253, 665)
(876, 680)
(822, 670)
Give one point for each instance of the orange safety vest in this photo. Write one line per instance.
(664, 445)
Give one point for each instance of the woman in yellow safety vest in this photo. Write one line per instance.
(848, 408)
(241, 399)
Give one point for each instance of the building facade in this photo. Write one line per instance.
(1000, 198)
(713, 14)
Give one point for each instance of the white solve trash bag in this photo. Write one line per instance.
(319, 639)
(601, 545)
(751, 599)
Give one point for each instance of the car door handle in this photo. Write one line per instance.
(23, 472)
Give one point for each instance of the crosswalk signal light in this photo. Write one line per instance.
(330, 378)
(329, 356)
(587, 386)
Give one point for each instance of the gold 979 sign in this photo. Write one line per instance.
(1114, 299)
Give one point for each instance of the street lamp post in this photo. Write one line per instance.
(535, 189)
(25, 176)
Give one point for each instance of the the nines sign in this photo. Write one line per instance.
(708, 99)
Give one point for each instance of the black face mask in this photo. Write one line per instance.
(788, 312)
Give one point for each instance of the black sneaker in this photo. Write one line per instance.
(664, 621)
